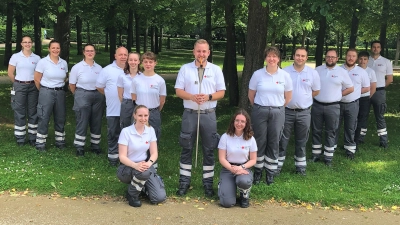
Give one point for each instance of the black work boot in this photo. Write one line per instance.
(183, 188)
(244, 202)
(270, 179)
(133, 201)
(208, 190)
(80, 152)
(257, 177)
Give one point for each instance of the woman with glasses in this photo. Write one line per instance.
(24, 95)
(88, 102)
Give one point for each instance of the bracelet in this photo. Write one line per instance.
(243, 166)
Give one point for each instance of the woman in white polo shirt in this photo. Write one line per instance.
(50, 76)
(150, 90)
(88, 102)
(134, 142)
(237, 154)
(124, 85)
(24, 95)
(270, 90)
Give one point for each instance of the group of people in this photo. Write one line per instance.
(296, 97)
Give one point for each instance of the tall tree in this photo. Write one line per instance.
(384, 24)
(129, 41)
(63, 29)
(255, 44)
(78, 24)
(37, 36)
(208, 29)
(8, 46)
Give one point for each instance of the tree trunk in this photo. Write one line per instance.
(294, 40)
(208, 30)
(169, 43)
(137, 31)
(319, 51)
(112, 32)
(37, 32)
(384, 19)
(160, 43)
(396, 58)
(337, 41)
(78, 22)
(255, 44)
(230, 64)
(354, 30)
(18, 39)
(129, 39)
(63, 29)
(9, 24)
(106, 44)
(146, 34)
(88, 32)
(341, 46)
(155, 39)
(303, 38)
(243, 46)
(153, 34)
(120, 37)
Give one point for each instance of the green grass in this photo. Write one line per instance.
(372, 178)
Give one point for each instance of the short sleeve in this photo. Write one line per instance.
(372, 76)
(222, 142)
(153, 136)
(124, 136)
(389, 67)
(13, 60)
(133, 86)
(365, 82)
(316, 85)
(163, 87)
(253, 145)
(40, 67)
(120, 81)
(101, 80)
(73, 76)
(180, 79)
(65, 66)
(253, 82)
(219, 79)
(288, 82)
(347, 83)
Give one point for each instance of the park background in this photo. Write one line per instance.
(238, 31)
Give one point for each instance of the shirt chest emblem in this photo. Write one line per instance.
(62, 68)
(207, 76)
(380, 65)
(306, 80)
(355, 74)
(280, 82)
(34, 63)
(334, 76)
(147, 142)
(153, 86)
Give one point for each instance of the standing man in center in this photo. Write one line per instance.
(191, 77)
(107, 85)
(306, 85)
(335, 83)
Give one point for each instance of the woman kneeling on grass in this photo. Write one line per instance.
(135, 170)
(237, 154)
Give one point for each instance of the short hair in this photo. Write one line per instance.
(126, 68)
(272, 49)
(54, 41)
(331, 49)
(247, 131)
(363, 54)
(351, 50)
(300, 48)
(149, 55)
(88, 44)
(201, 41)
(376, 41)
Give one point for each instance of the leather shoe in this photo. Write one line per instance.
(80, 152)
(270, 179)
(383, 145)
(182, 190)
(244, 202)
(208, 191)
(32, 143)
(134, 202)
(257, 177)
(350, 155)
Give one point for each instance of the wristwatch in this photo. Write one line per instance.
(151, 161)
(243, 166)
(209, 97)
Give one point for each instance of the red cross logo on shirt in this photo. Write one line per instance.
(304, 80)
(147, 142)
(277, 82)
(151, 85)
(242, 147)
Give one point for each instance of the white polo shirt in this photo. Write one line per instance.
(108, 80)
(372, 79)
(125, 82)
(360, 79)
(24, 66)
(270, 88)
(237, 149)
(137, 144)
(382, 67)
(304, 83)
(148, 90)
(53, 74)
(333, 81)
(84, 75)
(188, 80)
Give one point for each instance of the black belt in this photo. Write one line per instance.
(153, 109)
(24, 82)
(328, 103)
(54, 88)
(205, 111)
(86, 90)
(237, 164)
(380, 88)
(349, 102)
(298, 110)
(273, 107)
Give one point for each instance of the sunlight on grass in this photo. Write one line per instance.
(376, 166)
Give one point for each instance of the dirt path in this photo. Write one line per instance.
(56, 210)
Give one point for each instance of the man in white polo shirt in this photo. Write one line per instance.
(107, 84)
(187, 87)
(349, 104)
(384, 75)
(335, 83)
(306, 85)
(365, 103)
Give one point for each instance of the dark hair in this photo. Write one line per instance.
(136, 109)
(272, 49)
(330, 50)
(351, 50)
(149, 55)
(376, 41)
(126, 68)
(363, 54)
(300, 48)
(84, 47)
(25, 36)
(54, 41)
(247, 131)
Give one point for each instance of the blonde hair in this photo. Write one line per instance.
(201, 41)
(140, 107)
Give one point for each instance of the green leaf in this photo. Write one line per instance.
(264, 4)
(53, 185)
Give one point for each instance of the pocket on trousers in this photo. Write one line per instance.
(40, 112)
(383, 107)
(215, 137)
(124, 174)
(185, 140)
(13, 102)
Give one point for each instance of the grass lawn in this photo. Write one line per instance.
(372, 179)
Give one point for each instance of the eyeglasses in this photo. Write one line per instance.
(330, 57)
(26, 42)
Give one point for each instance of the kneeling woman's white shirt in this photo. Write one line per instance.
(138, 144)
(237, 149)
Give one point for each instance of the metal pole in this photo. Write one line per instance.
(200, 72)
